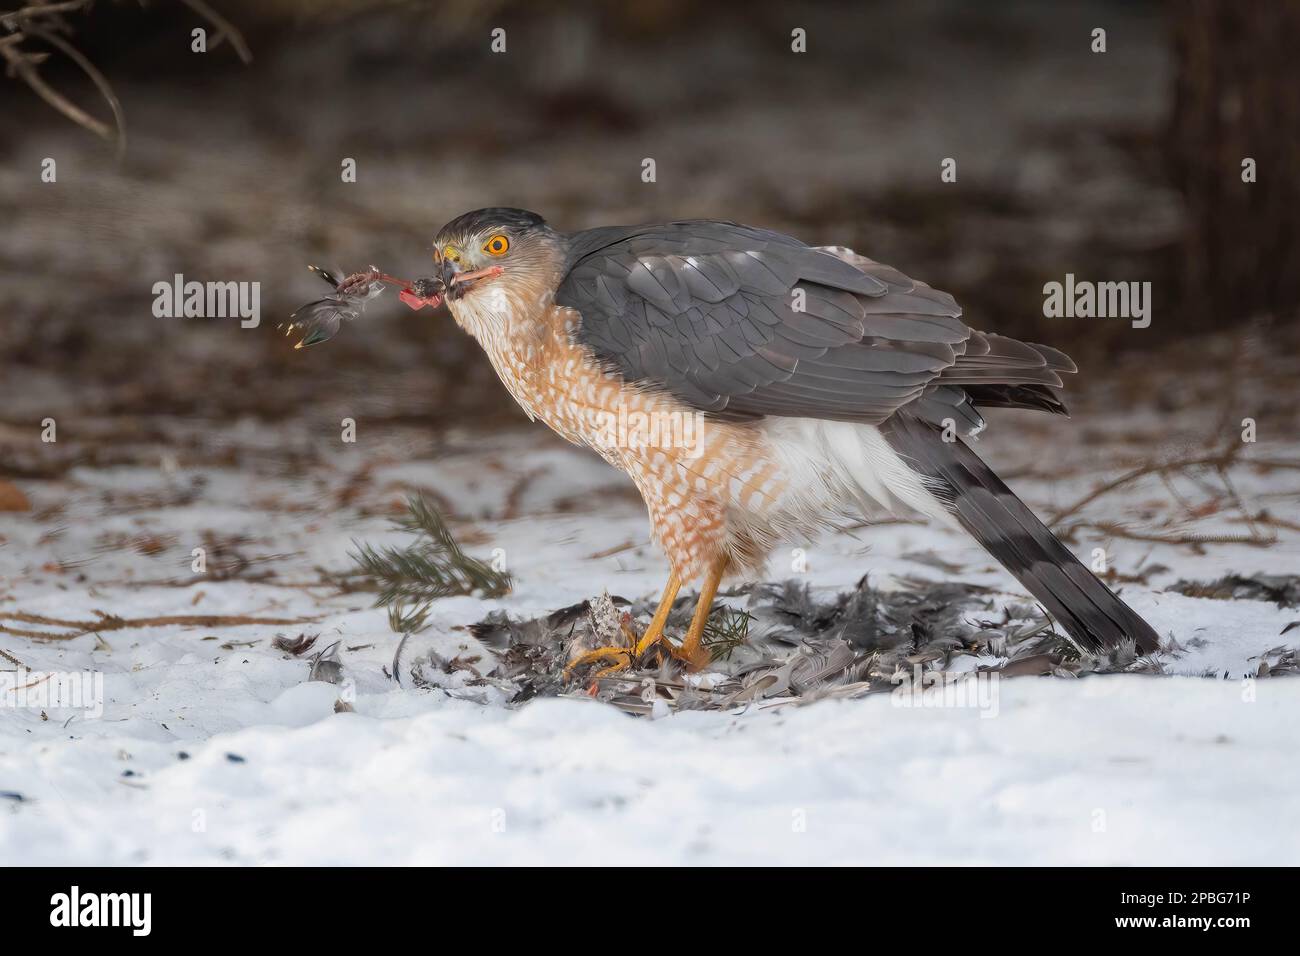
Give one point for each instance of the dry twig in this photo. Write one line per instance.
(225, 29)
(1220, 459)
(44, 21)
(111, 622)
(40, 20)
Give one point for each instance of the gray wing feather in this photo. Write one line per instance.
(746, 322)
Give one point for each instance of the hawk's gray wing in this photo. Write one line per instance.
(746, 322)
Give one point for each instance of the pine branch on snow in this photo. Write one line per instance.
(433, 566)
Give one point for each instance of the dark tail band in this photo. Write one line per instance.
(983, 504)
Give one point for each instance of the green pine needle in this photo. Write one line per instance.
(726, 629)
(433, 566)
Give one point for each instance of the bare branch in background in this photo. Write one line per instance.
(23, 65)
(225, 29)
(96, 77)
(35, 10)
(45, 22)
(39, 20)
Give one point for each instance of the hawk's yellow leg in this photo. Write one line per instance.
(653, 634)
(655, 631)
(692, 650)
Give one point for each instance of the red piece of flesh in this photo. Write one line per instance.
(418, 302)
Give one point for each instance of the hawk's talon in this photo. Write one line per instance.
(611, 669)
(600, 653)
(636, 647)
(625, 657)
(691, 652)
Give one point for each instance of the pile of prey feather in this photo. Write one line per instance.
(780, 644)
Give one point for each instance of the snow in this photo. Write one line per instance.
(1061, 775)
(213, 747)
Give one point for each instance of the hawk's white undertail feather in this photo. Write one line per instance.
(832, 469)
(830, 464)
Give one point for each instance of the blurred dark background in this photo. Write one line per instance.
(1122, 166)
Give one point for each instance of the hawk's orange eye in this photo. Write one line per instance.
(496, 246)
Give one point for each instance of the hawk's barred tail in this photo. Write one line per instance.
(1087, 609)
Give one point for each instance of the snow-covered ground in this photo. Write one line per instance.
(214, 747)
(1123, 770)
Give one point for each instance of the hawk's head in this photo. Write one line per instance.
(513, 250)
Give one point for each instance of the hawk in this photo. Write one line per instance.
(754, 387)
